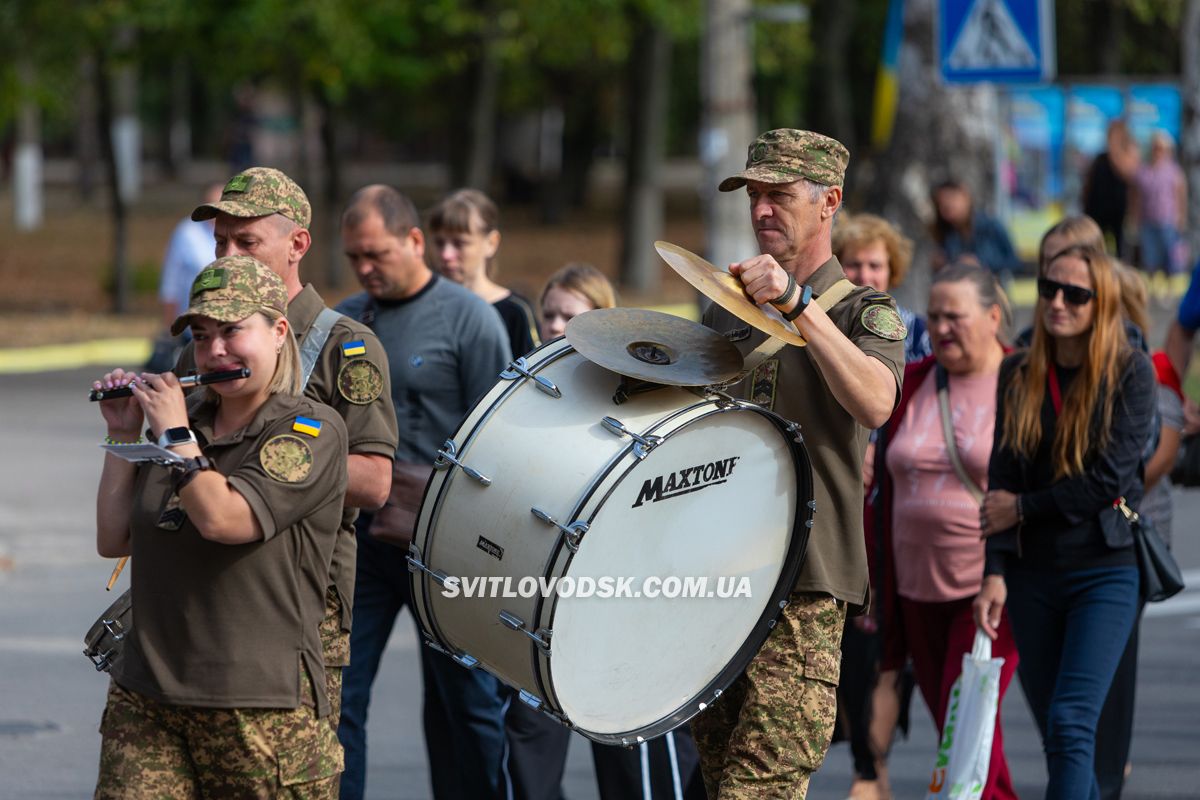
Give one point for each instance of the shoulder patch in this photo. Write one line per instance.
(360, 381)
(884, 321)
(286, 458)
(356, 348)
(305, 425)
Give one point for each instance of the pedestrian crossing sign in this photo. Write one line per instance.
(996, 41)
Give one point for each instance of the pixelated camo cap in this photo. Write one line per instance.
(231, 289)
(786, 155)
(257, 192)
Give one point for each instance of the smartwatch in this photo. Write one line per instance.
(801, 304)
(174, 437)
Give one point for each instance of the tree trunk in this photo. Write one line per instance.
(727, 98)
(642, 210)
(831, 87)
(105, 121)
(126, 128)
(941, 132)
(179, 128)
(1110, 33)
(333, 190)
(87, 143)
(27, 158)
(481, 153)
(1189, 149)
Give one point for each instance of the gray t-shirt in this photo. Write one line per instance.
(1156, 505)
(445, 347)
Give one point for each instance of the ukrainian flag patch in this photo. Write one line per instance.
(354, 348)
(305, 425)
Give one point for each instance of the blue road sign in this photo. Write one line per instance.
(996, 41)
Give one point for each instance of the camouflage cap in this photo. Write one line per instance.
(257, 192)
(231, 289)
(786, 155)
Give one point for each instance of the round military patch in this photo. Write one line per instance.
(360, 381)
(286, 458)
(884, 321)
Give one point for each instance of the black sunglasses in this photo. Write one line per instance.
(1075, 295)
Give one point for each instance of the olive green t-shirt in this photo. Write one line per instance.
(791, 384)
(230, 626)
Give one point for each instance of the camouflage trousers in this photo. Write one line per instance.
(769, 731)
(335, 649)
(160, 751)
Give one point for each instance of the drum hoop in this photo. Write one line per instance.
(420, 584)
(792, 563)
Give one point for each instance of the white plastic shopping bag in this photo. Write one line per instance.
(965, 751)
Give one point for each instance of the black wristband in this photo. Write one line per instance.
(784, 298)
(801, 304)
(186, 472)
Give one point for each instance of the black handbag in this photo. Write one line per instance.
(1187, 465)
(1160, 574)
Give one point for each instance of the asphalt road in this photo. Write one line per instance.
(51, 698)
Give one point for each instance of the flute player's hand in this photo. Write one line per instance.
(123, 415)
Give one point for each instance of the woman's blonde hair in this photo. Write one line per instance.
(860, 230)
(1077, 230)
(586, 281)
(1107, 354)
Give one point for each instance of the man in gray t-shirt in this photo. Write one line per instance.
(445, 349)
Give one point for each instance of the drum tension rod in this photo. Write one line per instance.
(415, 564)
(465, 660)
(572, 534)
(520, 369)
(513, 622)
(642, 444)
(449, 455)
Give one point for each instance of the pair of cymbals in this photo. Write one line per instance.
(661, 348)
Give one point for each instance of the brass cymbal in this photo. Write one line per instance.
(726, 291)
(655, 347)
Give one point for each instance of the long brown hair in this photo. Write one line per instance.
(1107, 354)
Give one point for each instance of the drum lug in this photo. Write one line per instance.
(725, 401)
(572, 534)
(449, 455)
(100, 661)
(520, 369)
(541, 636)
(415, 565)
(642, 444)
(794, 429)
(531, 700)
(465, 660)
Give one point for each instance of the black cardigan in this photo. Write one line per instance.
(1071, 523)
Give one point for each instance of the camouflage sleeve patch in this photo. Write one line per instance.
(286, 458)
(360, 381)
(884, 321)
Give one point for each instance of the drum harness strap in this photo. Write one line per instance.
(314, 343)
(828, 299)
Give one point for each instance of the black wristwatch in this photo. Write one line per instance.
(801, 304)
(174, 437)
(184, 473)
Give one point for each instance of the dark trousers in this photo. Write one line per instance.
(939, 635)
(1065, 625)
(667, 768)
(1114, 733)
(463, 710)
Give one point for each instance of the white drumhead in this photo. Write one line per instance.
(620, 664)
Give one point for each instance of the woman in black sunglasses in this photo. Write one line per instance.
(1073, 414)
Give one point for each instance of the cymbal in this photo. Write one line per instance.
(726, 291)
(655, 347)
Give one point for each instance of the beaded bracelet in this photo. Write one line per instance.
(111, 440)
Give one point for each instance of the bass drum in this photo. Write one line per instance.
(550, 477)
